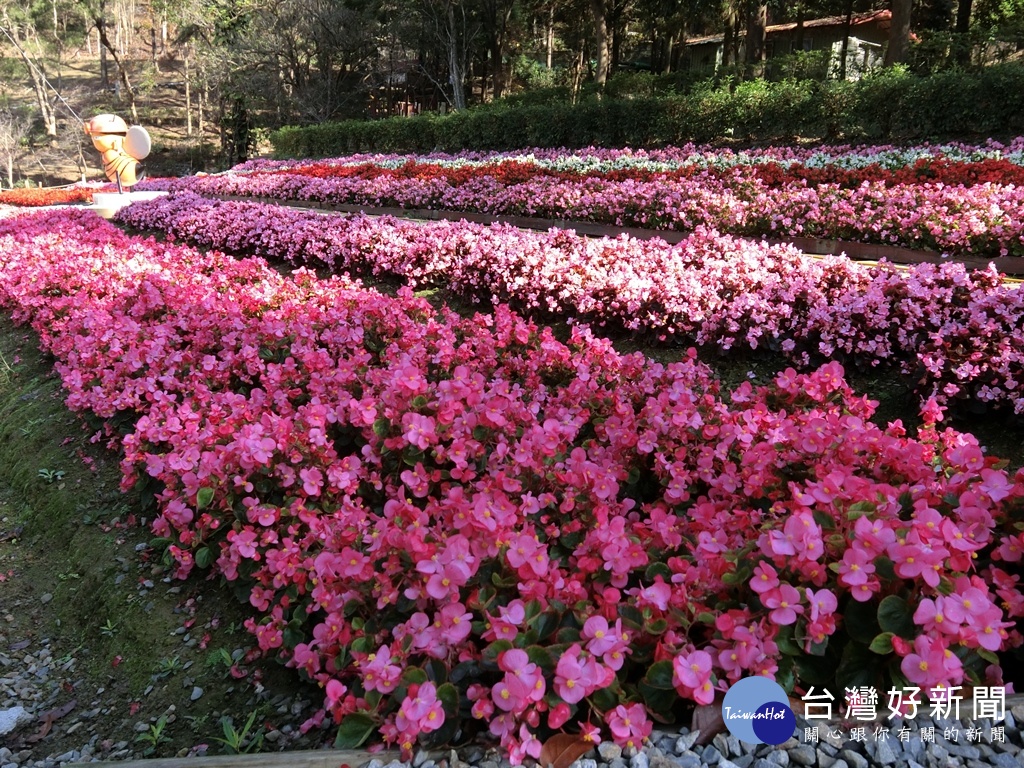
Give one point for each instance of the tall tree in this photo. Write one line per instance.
(599, 13)
(21, 32)
(899, 33)
(963, 16)
(754, 49)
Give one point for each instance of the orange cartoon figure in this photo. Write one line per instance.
(122, 148)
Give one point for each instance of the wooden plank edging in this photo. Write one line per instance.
(307, 758)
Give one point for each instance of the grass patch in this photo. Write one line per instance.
(74, 551)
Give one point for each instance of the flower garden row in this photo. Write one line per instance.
(33, 197)
(599, 160)
(980, 219)
(446, 520)
(956, 334)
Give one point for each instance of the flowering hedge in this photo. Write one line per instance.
(958, 334)
(936, 203)
(771, 174)
(446, 521)
(600, 160)
(35, 197)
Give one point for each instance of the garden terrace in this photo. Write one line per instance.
(448, 521)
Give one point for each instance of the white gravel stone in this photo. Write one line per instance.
(12, 718)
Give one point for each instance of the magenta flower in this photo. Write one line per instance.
(784, 602)
(856, 567)
(629, 725)
(571, 683)
(765, 578)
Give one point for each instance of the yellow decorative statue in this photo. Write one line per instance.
(122, 148)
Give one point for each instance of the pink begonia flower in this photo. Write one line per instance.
(600, 637)
(823, 602)
(856, 567)
(629, 725)
(765, 578)
(335, 690)
(931, 663)
(784, 602)
(571, 684)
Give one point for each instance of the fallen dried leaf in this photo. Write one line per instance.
(563, 749)
(708, 719)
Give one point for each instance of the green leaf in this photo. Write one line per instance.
(882, 643)
(787, 645)
(656, 627)
(631, 617)
(604, 699)
(894, 615)
(825, 520)
(437, 672)
(292, 636)
(858, 667)
(381, 427)
(495, 649)
(354, 730)
(988, 656)
(463, 671)
(204, 497)
(658, 569)
(204, 557)
(448, 695)
(660, 702)
(660, 675)
(860, 509)
(568, 635)
(885, 569)
(861, 622)
(541, 657)
(546, 625)
(532, 611)
(414, 676)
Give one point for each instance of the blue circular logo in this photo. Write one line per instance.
(756, 710)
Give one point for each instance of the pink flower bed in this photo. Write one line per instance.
(603, 159)
(446, 521)
(980, 219)
(959, 334)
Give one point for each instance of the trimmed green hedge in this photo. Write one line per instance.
(887, 105)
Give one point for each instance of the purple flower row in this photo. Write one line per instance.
(960, 334)
(983, 219)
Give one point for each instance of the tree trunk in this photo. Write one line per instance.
(798, 33)
(122, 73)
(899, 33)
(188, 99)
(599, 10)
(550, 41)
(456, 69)
(845, 49)
(38, 85)
(962, 30)
(757, 23)
(728, 46)
(963, 16)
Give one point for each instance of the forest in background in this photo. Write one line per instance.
(220, 75)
